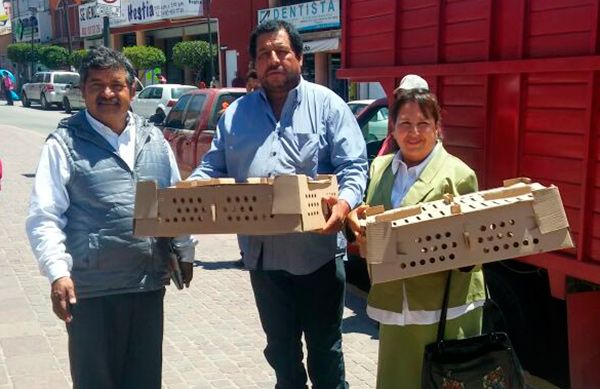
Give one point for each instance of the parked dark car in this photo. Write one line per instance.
(190, 126)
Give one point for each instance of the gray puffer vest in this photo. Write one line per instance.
(107, 258)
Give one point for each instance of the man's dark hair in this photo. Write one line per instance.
(102, 58)
(271, 26)
(252, 74)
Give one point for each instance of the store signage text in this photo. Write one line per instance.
(90, 22)
(145, 11)
(313, 15)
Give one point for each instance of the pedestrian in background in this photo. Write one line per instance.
(419, 170)
(252, 82)
(106, 283)
(292, 126)
(161, 78)
(8, 88)
(238, 81)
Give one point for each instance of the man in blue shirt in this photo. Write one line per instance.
(291, 126)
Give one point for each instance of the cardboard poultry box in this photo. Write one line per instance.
(260, 206)
(519, 219)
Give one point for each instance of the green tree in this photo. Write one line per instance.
(145, 57)
(77, 57)
(23, 53)
(54, 57)
(194, 55)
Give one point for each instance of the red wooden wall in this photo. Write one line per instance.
(518, 81)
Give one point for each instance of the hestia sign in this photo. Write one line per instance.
(313, 15)
(146, 11)
(90, 23)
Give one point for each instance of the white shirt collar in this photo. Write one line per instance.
(106, 131)
(416, 170)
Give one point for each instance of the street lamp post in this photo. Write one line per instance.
(32, 20)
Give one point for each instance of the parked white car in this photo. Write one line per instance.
(47, 88)
(356, 106)
(157, 100)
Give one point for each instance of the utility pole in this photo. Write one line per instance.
(105, 31)
(67, 27)
(33, 21)
(210, 43)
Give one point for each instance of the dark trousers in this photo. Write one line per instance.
(115, 342)
(9, 99)
(290, 305)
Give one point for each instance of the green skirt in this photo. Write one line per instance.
(401, 348)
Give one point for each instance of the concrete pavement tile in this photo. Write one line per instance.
(31, 365)
(24, 345)
(23, 328)
(54, 381)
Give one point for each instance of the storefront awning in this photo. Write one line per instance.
(320, 45)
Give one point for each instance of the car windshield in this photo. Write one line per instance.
(66, 79)
(177, 92)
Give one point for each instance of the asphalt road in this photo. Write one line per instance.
(33, 118)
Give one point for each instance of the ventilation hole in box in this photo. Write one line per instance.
(451, 256)
(444, 246)
(525, 242)
(406, 221)
(238, 218)
(434, 248)
(442, 258)
(203, 210)
(237, 199)
(187, 210)
(511, 222)
(500, 235)
(178, 210)
(167, 220)
(413, 264)
(247, 217)
(428, 238)
(228, 199)
(183, 219)
(175, 220)
(502, 224)
(418, 217)
(255, 218)
(191, 200)
(253, 199)
(424, 249)
(174, 200)
(192, 218)
(434, 206)
(510, 234)
(272, 216)
(182, 200)
(496, 248)
(516, 244)
(245, 199)
(250, 209)
(196, 209)
(430, 215)
(480, 239)
(536, 241)
(448, 234)
(438, 236)
(490, 238)
(242, 208)
(471, 206)
(200, 218)
(199, 199)
(423, 209)
(418, 240)
(483, 228)
(432, 260)
(454, 244)
(229, 218)
(442, 213)
(484, 204)
(422, 262)
(492, 226)
(486, 250)
(506, 246)
(403, 265)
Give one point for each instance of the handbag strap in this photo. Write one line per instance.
(444, 312)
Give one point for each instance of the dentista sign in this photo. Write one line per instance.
(309, 16)
(146, 11)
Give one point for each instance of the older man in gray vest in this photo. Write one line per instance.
(106, 283)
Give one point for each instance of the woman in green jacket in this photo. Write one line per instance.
(408, 310)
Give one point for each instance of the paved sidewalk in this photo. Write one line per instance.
(213, 338)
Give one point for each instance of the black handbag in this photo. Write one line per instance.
(487, 361)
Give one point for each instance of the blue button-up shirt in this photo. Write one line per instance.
(316, 134)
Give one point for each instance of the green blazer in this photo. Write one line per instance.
(443, 174)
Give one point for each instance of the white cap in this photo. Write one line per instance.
(411, 81)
